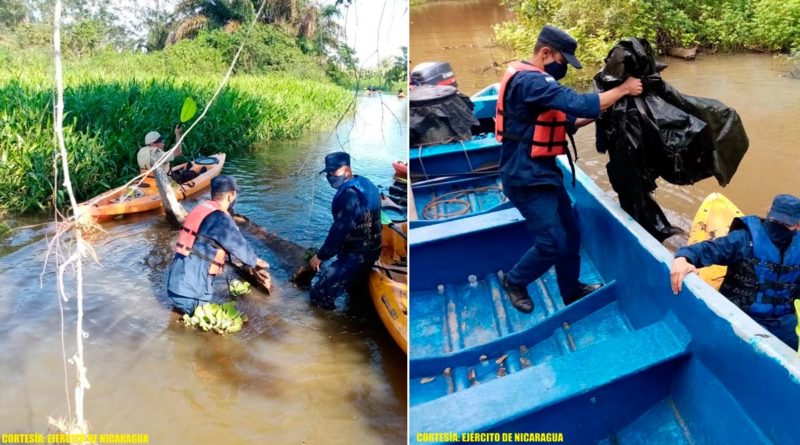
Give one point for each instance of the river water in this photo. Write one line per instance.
(295, 374)
(461, 33)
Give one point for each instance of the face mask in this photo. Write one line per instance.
(336, 181)
(557, 70)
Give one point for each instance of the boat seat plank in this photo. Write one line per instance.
(561, 379)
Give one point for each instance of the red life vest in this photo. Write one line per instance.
(188, 235)
(549, 128)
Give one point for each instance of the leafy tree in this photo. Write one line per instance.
(12, 13)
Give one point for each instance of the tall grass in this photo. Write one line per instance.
(109, 110)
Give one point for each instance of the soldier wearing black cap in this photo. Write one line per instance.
(355, 236)
(208, 235)
(535, 116)
(763, 259)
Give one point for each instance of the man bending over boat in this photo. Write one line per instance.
(535, 114)
(208, 235)
(763, 259)
(354, 238)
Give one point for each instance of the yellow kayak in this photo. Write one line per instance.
(713, 220)
(388, 284)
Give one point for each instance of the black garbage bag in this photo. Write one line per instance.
(439, 114)
(661, 133)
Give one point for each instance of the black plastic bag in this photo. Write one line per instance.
(438, 115)
(661, 133)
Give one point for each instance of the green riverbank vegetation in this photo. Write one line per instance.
(293, 75)
(712, 25)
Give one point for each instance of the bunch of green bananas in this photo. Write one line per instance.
(220, 318)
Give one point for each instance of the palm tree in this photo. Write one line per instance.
(302, 18)
(191, 16)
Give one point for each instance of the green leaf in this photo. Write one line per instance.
(188, 110)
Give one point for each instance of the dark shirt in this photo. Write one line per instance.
(347, 208)
(188, 275)
(733, 248)
(528, 94)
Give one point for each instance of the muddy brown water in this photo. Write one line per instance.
(753, 84)
(293, 375)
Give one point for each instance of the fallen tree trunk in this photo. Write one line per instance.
(682, 53)
(259, 278)
(291, 255)
(175, 212)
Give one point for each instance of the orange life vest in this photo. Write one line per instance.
(188, 235)
(549, 128)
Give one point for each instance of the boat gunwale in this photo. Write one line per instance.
(742, 325)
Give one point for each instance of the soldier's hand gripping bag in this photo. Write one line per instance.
(679, 137)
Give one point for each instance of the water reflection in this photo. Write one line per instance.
(295, 374)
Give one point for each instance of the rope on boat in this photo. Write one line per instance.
(430, 211)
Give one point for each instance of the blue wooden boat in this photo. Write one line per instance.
(482, 152)
(629, 364)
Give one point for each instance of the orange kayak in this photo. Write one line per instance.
(400, 169)
(145, 197)
(388, 285)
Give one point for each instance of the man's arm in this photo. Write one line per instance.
(725, 251)
(540, 94)
(344, 221)
(178, 151)
(543, 94)
(223, 230)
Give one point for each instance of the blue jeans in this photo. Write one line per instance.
(185, 305)
(348, 273)
(549, 215)
(783, 328)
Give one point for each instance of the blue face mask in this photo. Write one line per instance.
(557, 70)
(336, 181)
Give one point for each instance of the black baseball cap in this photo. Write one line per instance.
(334, 161)
(561, 42)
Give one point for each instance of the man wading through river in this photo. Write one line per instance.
(208, 235)
(535, 114)
(355, 236)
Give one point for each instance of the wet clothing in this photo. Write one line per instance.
(748, 280)
(189, 282)
(528, 94)
(149, 155)
(349, 272)
(356, 228)
(535, 185)
(549, 215)
(354, 238)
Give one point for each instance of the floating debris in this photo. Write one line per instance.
(238, 288)
(502, 358)
(483, 358)
(222, 319)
